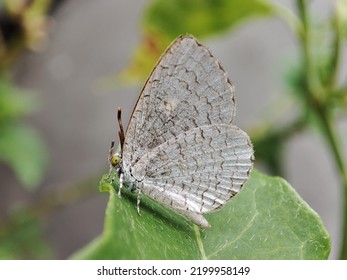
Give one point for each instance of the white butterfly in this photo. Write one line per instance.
(181, 148)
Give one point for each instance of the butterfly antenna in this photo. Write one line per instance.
(110, 151)
(121, 130)
(110, 155)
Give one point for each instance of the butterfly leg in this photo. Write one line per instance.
(138, 202)
(121, 178)
(110, 174)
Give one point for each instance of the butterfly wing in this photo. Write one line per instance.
(199, 170)
(188, 88)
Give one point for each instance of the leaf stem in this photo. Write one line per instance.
(199, 241)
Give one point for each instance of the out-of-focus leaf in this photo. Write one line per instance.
(144, 58)
(20, 146)
(14, 103)
(165, 20)
(24, 151)
(201, 17)
(267, 220)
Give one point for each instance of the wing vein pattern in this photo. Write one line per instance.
(203, 168)
(180, 146)
(188, 88)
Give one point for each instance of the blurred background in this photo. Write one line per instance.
(59, 90)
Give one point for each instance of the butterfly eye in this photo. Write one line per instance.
(115, 160)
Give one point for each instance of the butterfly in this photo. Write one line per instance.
(181, 147)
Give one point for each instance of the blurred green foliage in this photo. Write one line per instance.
(22, 26)
(201, 18)
(20, 144)
(163, 21)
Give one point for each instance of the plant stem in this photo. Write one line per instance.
(330, 132)
(332, 139)
(305, 39)
(335, 60)
(285, 14)
(323, 113)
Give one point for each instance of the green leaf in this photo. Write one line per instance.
(267, 220)
(164, 20)
(14, 103)
(201, 17)
(23, 150)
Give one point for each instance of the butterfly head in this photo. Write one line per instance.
(116, 160)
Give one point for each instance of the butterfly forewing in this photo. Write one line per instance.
(187, 88)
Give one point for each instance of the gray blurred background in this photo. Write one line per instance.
(92, 40)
